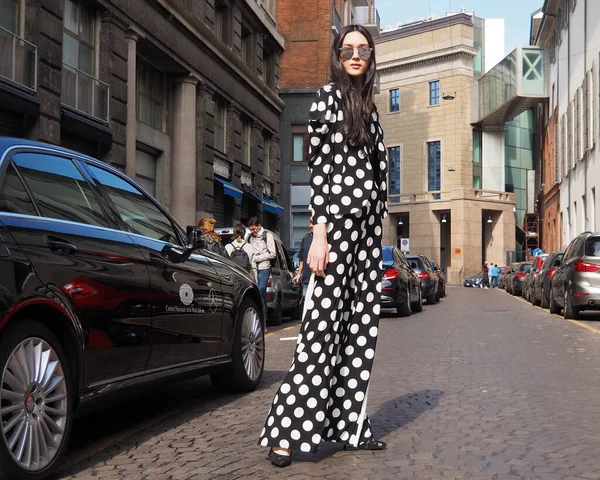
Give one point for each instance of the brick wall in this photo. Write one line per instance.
(550, 221)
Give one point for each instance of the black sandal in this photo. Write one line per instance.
(280, 460)
(370, 444)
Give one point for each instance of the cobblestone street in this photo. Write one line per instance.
(481, 385)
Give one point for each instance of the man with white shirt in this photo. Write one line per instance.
(263, 245)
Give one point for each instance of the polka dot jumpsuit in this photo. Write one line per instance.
(324, 395)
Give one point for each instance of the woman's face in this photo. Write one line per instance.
(355, 54)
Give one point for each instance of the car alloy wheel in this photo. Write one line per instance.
(253, 348)
(34, 404)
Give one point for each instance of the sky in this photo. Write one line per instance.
(516, 14)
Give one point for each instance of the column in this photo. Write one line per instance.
(183, 161)
(131, 128)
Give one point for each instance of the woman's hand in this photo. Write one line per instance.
(318, 255)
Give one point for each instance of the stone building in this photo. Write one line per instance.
(308, 30)
(438, 199)
(180, 94)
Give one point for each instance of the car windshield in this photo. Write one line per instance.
(414, 262)
(388, 256)
(592, 247)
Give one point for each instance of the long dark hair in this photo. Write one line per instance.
(357, 105)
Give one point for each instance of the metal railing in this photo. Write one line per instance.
(367, 16)
(84, 93)
(445, 195)
(18, 60)
(336, 20)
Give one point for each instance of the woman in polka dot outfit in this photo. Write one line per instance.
(324, 395)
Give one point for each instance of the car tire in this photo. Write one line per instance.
(570, 312)
(544, 303)
(405, 310)
(48, 395)
(552, 304)
(418, 305)
(248, 353)
(275, 315)
(534, 301)
(431, 298)
(296, 313)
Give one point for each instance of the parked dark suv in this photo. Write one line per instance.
(101, 289)
(429, 280)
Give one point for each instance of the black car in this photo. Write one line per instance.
(540, 291)
(101, 289)
(516, 279)
(474, 281)
(429, 280)
(441, 275)
(400, 286)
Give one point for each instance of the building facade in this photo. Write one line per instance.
(181, 95)
(308, 32)
(438, 199)
(570, 162)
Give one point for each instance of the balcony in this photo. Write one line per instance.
(84, 93)
(336, 21)
(513, 86)
(368, 17)
(18, 60)
(442, 196)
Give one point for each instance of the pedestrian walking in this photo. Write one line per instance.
(263, 246)
(484, 281)
(324, 395)
(241, 252)
(304, 272)
(495, 275)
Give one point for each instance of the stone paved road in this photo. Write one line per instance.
(480, 386)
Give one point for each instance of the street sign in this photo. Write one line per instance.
(405, 245)
(537, 252)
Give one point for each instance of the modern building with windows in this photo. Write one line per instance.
(438, 197)
(304, 68)
(182, 95)
(569, 161)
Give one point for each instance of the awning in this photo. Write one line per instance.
(250, 192)
(271, 206)
(229, 188)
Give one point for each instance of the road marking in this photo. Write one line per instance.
(284, 339)
(576, 322)
(282, 330)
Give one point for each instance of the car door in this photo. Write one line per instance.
(564, 271)
(62, 225)
(187, 297)
(411, 278)
(291, 290)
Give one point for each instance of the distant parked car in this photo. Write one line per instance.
(283, 295)
(429, 280)
(531, 276)
(502, 279)
(400, 286)
(474, 281)
(517, 277)
(540, 293)
(441, 275)
(575, 284)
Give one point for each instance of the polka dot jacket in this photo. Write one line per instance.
(343, 178)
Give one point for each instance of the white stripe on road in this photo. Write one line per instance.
(284, 339)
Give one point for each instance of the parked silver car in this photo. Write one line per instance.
(283, 295)
(575, 285)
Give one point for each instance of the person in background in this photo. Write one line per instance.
(213, 239)
(495, 275)
(263, 246)
(241, 252)
(304, 272)
(485, 282)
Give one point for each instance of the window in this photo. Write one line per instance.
(569, 137)
(138, 212)
(149, 95)
(220, 110)
(222, 23)
(247, 47)
(300, 227)
(434, 93)
(434, 168)
(579, 126)
(477, 159)
(299, 143)
(145, 171)
(79, 37)
(9, 15)
(395, 178)
(13, 195)
(266, 154)
(59, 189)
(590, 109)
(394, 100)
(593, 211)
(246, 138)
(557, 151)
(269, 67)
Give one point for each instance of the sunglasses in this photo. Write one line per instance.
(347, 53)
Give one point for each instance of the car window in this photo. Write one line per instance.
(137, 210)
(13, 195)
(286, 257)
(526, 267)
(59, 188)
(388, 256)
(592, 247)
(278, 262)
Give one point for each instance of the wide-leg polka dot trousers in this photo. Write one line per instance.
(324, 394)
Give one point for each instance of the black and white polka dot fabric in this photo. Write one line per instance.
(324, 395)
